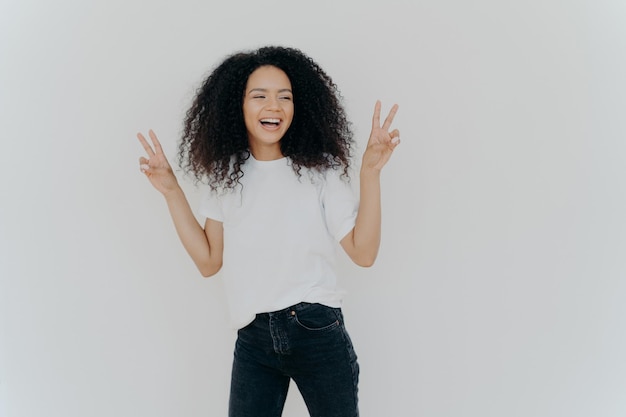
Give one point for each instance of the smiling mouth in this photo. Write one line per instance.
(271, 123)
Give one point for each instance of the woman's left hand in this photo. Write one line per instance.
(382, 142)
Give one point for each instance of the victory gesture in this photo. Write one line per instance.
(381, 143)
(156, 167)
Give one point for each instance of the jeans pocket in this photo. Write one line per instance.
(318, 317)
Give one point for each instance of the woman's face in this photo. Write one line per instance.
(267, 111)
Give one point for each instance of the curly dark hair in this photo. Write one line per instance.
(214, 144)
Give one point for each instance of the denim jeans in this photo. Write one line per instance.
(307, 343)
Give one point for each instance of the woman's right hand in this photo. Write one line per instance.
(156, 167)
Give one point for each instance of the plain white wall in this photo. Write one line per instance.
(500, 286)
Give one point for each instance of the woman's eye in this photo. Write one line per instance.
(258, 97)
(285, 98)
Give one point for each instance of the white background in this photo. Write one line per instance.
(500, 286)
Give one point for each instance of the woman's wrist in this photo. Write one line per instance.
(173, 193)
(369, 173)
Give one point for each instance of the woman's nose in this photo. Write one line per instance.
(272, 103)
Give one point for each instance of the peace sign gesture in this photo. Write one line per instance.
(156, 167)
(381, 142)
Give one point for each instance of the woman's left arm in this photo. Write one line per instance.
(363, 241)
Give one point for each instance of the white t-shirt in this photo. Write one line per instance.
(281, 235)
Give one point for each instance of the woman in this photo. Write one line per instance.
(268, 135)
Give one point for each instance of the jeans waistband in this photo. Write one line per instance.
(287, 311)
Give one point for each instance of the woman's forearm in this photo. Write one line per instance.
(366, 233)
(192, 235)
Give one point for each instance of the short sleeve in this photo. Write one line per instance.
(339, 203)
(210, 205)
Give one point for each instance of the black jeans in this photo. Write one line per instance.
(307, 343)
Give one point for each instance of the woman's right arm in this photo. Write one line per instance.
(204, 245)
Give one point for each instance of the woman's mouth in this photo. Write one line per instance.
(270, 123)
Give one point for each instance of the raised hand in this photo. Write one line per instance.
(381, 142)
(156, 167)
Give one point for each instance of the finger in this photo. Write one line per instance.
(395, 136)
(145, 144)
(390, 116)
(376, 118)
(144, 165)
(155, 141)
